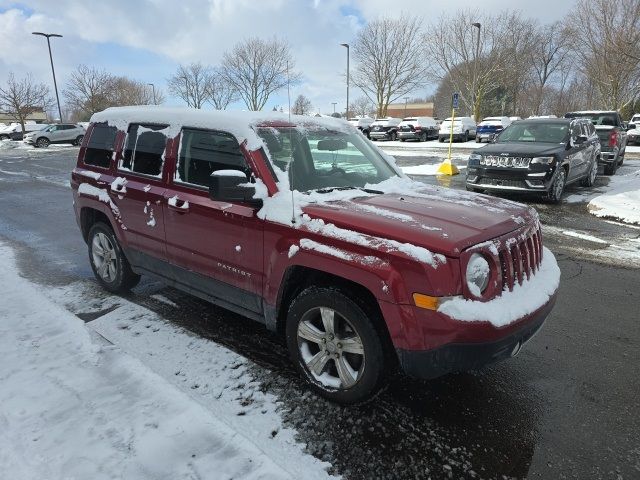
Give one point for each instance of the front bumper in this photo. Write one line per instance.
(456, 357)
(511, 179)
(29, 140)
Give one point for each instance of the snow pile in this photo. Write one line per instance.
(13, 144)
(510, 306)
(622, 202)
(70, 408)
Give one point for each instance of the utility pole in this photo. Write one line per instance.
(55, 85)
(334, 106)
(346, 45)
(153, 87)
(475, 71)
(405, 106)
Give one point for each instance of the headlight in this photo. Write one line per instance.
(475, 156)
(543, 160)
(478, 272)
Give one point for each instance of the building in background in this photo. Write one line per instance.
(397, 110)
(38, 116)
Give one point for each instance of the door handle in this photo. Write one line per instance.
(178, 205)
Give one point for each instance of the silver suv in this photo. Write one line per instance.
(59, 133)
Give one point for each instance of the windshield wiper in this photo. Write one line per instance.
(348, 187)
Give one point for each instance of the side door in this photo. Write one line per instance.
(138, 191)
(215, 246)
(576, 153)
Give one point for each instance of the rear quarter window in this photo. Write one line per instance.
(144, 149)
(100, 146)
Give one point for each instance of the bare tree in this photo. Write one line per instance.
(20, 98)
(258, 68)
(390, 60)
(302, 106)
(192, 83)
(221, 92)
(596, 27)
(549, 54)
(89, 90)
(132, 92)
(362, 107)
(479, 66)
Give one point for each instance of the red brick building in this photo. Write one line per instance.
(400, 110)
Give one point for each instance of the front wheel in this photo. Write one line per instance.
(42, 142)
(109, 265)
(334, 345)
(557, 188)
(393, 136)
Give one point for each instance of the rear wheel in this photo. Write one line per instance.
(334, 345)
(466, 136)
(78, 140)
(557, 188)
(393, 136)
(42, 142)
(424, 137)
(109, 265)
(589, 180)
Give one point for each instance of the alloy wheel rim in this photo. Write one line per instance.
(331, 349)
(104, 257)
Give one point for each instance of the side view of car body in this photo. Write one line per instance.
(489, 127)
(302, 224)
(464, 129)
(385, 129)
(612, 133)
(14, 131)
(58, 133)
(537, 156)
(417, 128)
(633, 130)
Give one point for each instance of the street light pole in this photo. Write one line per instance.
(475, 70)
(55, 85)
(153, 87)
(346, 45)
(405, 106)
(334, 106)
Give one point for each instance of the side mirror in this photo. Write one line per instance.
(232, 186)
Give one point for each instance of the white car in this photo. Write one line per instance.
(385, 129)
(633, 130)
(14, 131)
(362, 123)
(464, 128)
(417, 128)
(59, 133)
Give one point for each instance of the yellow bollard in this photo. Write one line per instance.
(446, 167)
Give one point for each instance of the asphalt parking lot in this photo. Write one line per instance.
(566, 407)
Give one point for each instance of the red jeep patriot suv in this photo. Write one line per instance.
(304, 225)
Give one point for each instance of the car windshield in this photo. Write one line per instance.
(535, 132)
(605, 118)
(321, 159)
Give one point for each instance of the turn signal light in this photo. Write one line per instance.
(425, 301)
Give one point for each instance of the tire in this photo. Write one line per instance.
(621, 159)
(403, 139)
(317, 318)
(610, 168)
(423, 137)
(4, 137)
(78, 140)
(466, 136)
(117, 277)
(554, 195)
(440, 139)
(590, 179)
(393, 137)
(478, 140)
(43, 142)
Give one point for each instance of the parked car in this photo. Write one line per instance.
(417, 128)
(633, 130)
(385, 129)
(363, 124)
(612, 134)
(59, 133)
(515, 119)
(490, 126)
(464, 128)
(358, 281)
(539, 156)
(14, 131)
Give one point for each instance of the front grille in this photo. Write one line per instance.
(520, 258)
(500, 161)
(500, 182)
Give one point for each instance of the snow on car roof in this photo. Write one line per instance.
(239, 124)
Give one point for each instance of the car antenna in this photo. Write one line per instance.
(293, 207)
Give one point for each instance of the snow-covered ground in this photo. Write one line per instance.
(73, 405)
(19, 145)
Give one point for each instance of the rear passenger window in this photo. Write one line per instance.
(100, 146)
(203, 152)
(144, 149)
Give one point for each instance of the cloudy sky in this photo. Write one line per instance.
(147, 39)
